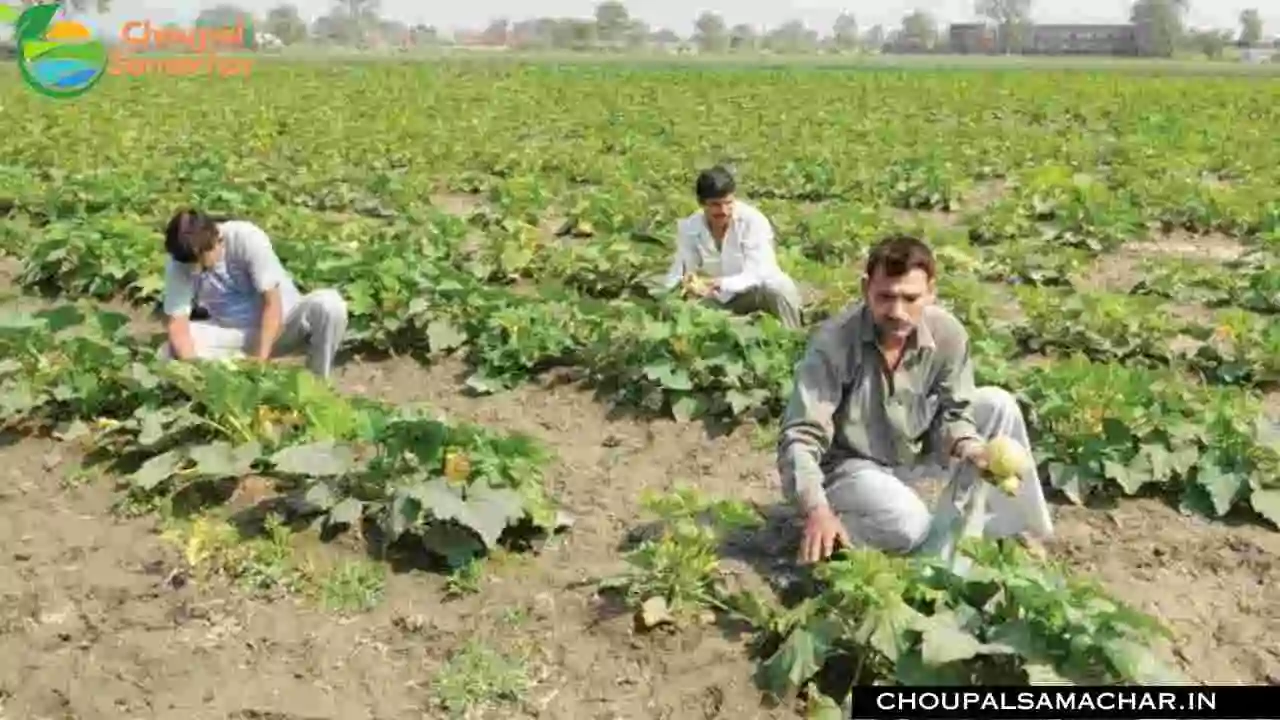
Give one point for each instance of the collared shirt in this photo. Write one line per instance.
(746, 259)
(844, 405)
(232, 290)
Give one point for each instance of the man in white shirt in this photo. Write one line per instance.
(254, 309)
(732, 243)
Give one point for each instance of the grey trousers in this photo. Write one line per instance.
(777, 296)
(880, 510)
(316, 326)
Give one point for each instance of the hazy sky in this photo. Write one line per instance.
(679, 15)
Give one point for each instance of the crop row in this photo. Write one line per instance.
(1094, 159)
(1051, 204)
(188, 433)
(1085, 171)
(1248, 284)
(411, 290)
(99, 257)
(1229, 346)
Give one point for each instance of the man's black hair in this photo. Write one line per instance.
(714, 183)
(190, 234)
(898, 254)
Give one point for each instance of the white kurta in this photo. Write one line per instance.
(746, 260)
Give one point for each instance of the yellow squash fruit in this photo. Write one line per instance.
(1010, 485)
(1007, 462)
(457, 466)
(1006, 457)
(695, 285)
(263, 421)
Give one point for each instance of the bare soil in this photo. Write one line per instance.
(95, 624)
(1211, 247)
(1121, 270)
(984, 193)
(460, 204)
(94, 627)
(926, 218)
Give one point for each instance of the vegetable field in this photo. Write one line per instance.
(464, 524)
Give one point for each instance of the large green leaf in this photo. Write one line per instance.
(13, 320)
(318, 497)
(348, 512)
(318, 459)
(456, 545)
(443, 336)
(153, 428)
(490, 511)
(1070, 480)
(1140, 664)
(222, 460)
(884, 629)
(421, 502)
(1267, 504)
(157, 469)
(1020, 637)
(669, 376)
(1221, 486)
(944, 641)
(17, 399)
(62, 317)
(439, 499)
(798, 659)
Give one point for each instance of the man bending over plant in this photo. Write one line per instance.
(253, 307)
(883, 385)
(731, 243)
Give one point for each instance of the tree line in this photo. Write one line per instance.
(1161, 27)
(1161, 31)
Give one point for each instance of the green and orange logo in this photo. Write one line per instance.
(57, 58)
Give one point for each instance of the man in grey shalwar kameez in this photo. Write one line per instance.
(880, 386)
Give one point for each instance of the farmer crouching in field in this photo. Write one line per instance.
(253, 307)
(888, 378)
(731, 243)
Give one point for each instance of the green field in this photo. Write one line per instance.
(1110, 239)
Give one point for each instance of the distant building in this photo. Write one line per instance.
(984, 39)
(1082, 40)
(1258, 55)
(972, 39)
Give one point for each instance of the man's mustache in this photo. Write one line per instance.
(894, 325)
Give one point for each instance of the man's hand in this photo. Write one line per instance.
(973, 451)
(823, 534)
(695, 285)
